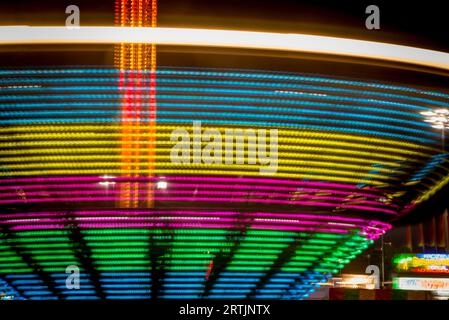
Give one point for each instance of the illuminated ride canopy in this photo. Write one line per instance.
(87, 179)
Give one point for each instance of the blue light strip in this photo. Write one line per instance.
(168, 106)
(8, 292)
(206, 72)
(196, 82)
(217, 91)
(226, 122)
(434, 162)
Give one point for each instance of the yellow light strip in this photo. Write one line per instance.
(50, 168)
(285, 159)
(226, 38)
(300, 144)
(326, 136)
(307, 151)
(164, 161)
(111, 154)
(434, 189)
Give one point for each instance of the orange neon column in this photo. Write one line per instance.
(137, 82)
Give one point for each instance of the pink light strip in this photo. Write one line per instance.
(146, 213)
(196, 199)
(189, 192)
(186, 185)
(258, 220)
(176, 225)
(232, 180)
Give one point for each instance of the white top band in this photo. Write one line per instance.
(226, 38)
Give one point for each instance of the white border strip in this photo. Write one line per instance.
(225, 38)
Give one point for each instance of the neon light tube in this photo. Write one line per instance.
(225, 38)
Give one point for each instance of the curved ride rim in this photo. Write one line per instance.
(27, 35)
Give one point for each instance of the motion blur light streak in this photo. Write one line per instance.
(226, 38)
(137, 63)
(322, 207)
(205, 218)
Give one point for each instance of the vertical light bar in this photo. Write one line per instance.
(152, 125)
(137, 65)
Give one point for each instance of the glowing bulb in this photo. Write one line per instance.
(106, 183)
(107, 177)
(162, 185)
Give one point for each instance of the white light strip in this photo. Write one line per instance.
(225, 38)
